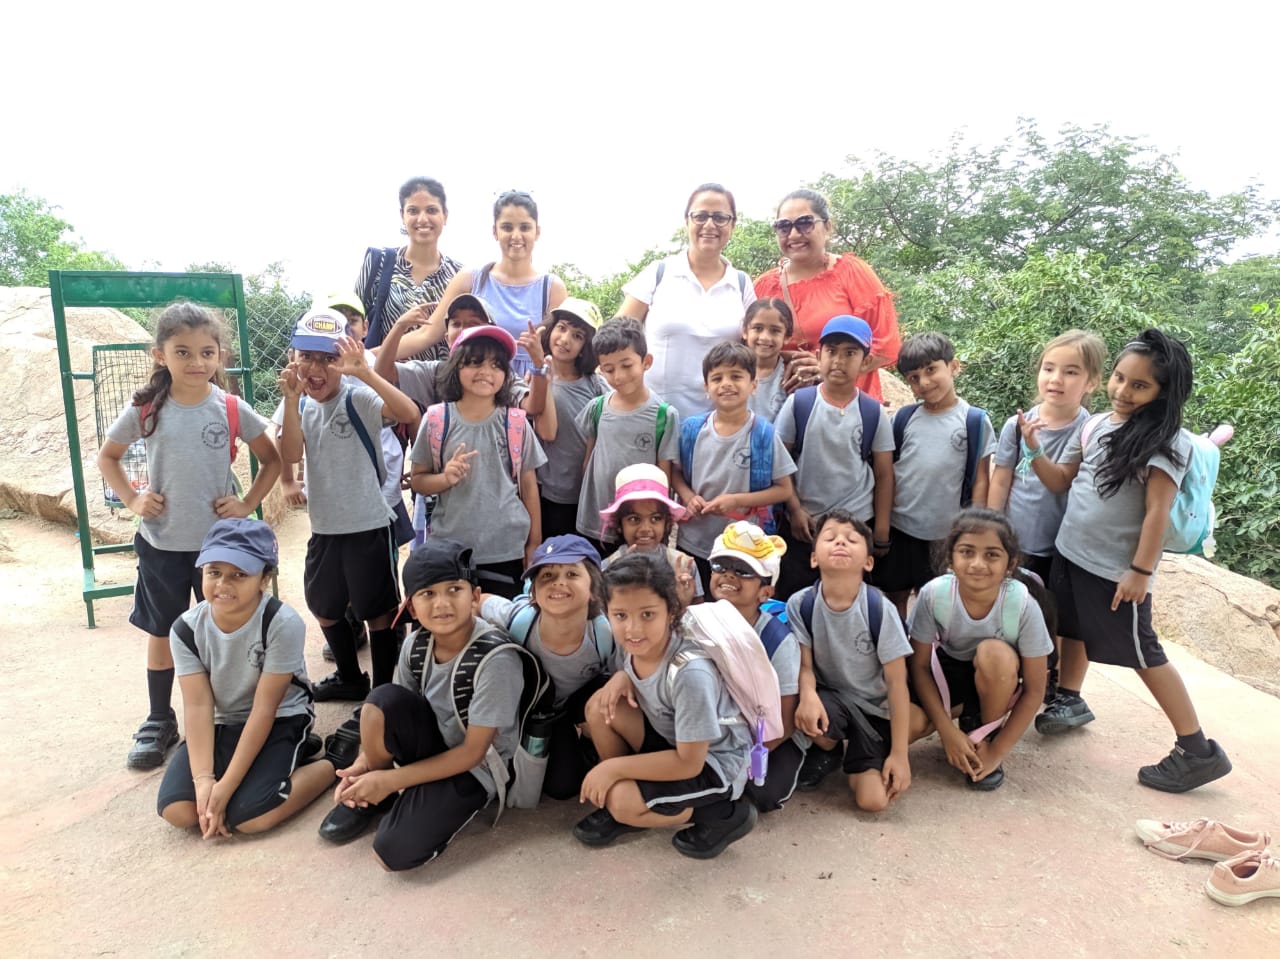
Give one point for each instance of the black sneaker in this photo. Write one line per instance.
(152, 742)
(706, 840)
(344, 823)
(818, 764)
(1065, 712)
(992, 780)
(1180, 771)
(342, 746)
(600, 829)
(334, 687)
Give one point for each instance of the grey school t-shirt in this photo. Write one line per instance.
(695, 708)
(846, 659)
(930, 470)
(1101, 535)
(235, 661)
(769, 396)
(417, 380)
(569, 672)
(188, 463)
(344, 494)
(832, 473)
(561, 476)
(623, 438)
(485, 510)
(785, 659)
(1034, 511)
(494, 703)
(963, 633)
(722, 464)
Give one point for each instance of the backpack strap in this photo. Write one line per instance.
(942, 595)
(689, 430)
(186, 634)
(660, 427)
(420, 645)
(657, 279)
(546, 297)
(1013, 599)
(481, 278)
(437, 429)
(1086, 431)
(900, 421)
(602, 637)
(875, 613)
(233, 423)
(514, 420)
(358, 425)
(973, 425)
(869, 407)
(806, 609)
(743, 280)
(376, 304)
(761, 454)
(805, 397)
(773, 635)
(597, 407)
(521, 624)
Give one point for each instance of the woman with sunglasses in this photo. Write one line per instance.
(690, 301)
(519, 297)
(818, 285)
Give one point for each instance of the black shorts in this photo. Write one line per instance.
(867, 738)
(352, 569)
(1124, 637)
(567, 759)
(908, 566)
(673, 797)
(962, 686)
(426, 817)
(166, 580)
(796, 571)
(558, 519)
(265, 786)
(505, 579)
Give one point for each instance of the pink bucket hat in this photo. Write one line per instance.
(643, 481)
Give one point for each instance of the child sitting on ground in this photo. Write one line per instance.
(246, 699)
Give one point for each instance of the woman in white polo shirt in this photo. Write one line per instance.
(691, 300)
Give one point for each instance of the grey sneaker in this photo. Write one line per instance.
(1065, 712)
(1180, 771)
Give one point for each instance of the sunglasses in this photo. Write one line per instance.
(719, 219)
(739, 570)
(802, 224)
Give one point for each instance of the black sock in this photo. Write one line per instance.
(1196, 744)
(384, 649)
(714, 812)
(343, 643)
(160, 692)
(1065, 693)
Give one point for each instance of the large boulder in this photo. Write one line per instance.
(35, 469)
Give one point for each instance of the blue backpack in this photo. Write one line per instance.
(973, 433)
(868, 409)
(761, 470)
(875, 611)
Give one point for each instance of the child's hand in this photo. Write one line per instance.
(605, 700)
(213, 823)
(696, 505)
(896, 775)
(459, 466)
(411, 319)
(1031, 426)
(368, 789)
(357, 768)
(989, 757)
(597, 783)
(290, 383)
(722, 504)
(801, 369)
(531, 340)
(686, 570)
(801, 523)
(293, 494)
(961, 753)
(811, 717)
(351, 359)
(147, 504)
(1132, 588)
(204, 786)
(232, 507)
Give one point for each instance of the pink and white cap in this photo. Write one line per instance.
(639, 482)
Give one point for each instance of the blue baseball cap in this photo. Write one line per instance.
(437, 561)
(856, 328)
(563, 549)
(246, 543)
(319, 330)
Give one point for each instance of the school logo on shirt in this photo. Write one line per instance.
(644, 442)
(742, 458)
(257, 653)
(215, 436)
(960, 440)
(340, 426)
(864, 645)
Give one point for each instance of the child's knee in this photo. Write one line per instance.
(869, 793)
(995, 661)
(626, 804)
(180, 814)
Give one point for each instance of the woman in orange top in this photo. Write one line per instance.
(819, 285)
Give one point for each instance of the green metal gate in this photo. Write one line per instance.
(84, 288)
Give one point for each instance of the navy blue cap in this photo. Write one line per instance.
(246, 543)
(437, 561)
(563, 549)
(851, 326)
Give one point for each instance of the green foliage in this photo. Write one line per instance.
(753, 247)
(606, 292)
(33, 241)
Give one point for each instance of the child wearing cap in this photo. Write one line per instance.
(561, 622)
(568, 343)
(843, 447)
(629, 426)
(931, 469)
(419, 763)
(334, 405)
(643, 514)
(246, 700)
(732, 464)
(744, 565)
(478, 455)
(853, 677)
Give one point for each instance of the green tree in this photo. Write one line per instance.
(34, 240)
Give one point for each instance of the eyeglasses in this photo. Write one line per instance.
(719, 219)
(316, 359)
(802, 224)
(739, 570)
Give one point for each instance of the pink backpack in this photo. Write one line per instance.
(514, 418)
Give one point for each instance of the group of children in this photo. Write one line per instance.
(574, 516)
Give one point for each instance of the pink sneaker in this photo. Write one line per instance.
(1201, 839)
(1249, 876)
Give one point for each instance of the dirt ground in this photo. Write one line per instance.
(1049, 863)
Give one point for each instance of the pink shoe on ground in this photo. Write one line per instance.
(1200, 839)
(1249, 876)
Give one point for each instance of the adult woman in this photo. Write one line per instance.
(691, 300)
(393, 281)
(517, 294)
(819, 285)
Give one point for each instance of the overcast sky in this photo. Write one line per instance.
(172, 133)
